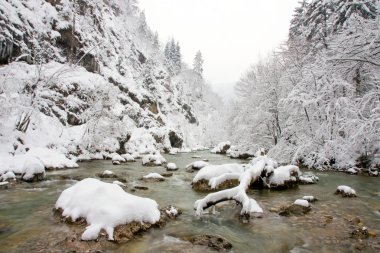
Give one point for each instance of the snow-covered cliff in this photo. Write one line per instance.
(88, 77)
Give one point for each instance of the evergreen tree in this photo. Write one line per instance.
(198, 63)
(156, 43)
(177, 58)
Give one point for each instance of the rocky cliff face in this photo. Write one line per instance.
(83, 76)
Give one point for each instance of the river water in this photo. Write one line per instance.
(27, 223)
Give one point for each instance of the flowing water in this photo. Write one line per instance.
(27, 223)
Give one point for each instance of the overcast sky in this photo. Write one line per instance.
(231, 34)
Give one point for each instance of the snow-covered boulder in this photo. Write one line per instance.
(128, 157)
(197, 165)
(373, 172)
(308, 178)
(302, 202)
(153, 177)
(28, 166)
(352, 171)
(345, 191)
(8, 176)
(284, 177)
(171, 167)
(105, 206)
(240, 152)
(52, 159)
(117, 158)
(221, 148)
(116, 162)
(153, 160)
(310, 198)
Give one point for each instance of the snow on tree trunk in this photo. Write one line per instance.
(259, 167)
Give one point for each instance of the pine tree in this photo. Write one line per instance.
(198, 63)
(156, 43)
(177, 58)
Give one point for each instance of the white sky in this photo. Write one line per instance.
(231, 34)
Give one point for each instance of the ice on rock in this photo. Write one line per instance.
(105, 206)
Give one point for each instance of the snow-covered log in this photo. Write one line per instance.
(261, 166)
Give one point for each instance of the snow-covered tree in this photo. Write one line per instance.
(198, 63)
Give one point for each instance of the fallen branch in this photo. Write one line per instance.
(259, 166)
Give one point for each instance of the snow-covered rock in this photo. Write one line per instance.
(302, 202)
(153, 160)
(171, 166)
(221, 148)
(154, 176)
(240, 152)
(7, 176)
(284, 176)
(28, 166)
(128, 157)
(116, 162)
(308, 178)
(52, 159)
(117, 158)
(197, 165)
(310, 198)
(345, 191)
(172, 211)
(107, 172)
(352, 171)
(105, 206)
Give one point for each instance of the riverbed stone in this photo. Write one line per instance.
(360, 233)
(294, 210)
(167, 174)
(139, 187)
(215, 242)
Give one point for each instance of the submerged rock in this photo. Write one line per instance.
(360, 233)
(294, 209)
(215, 242)
(144, 188)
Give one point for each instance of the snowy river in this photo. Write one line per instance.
(27, 223)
